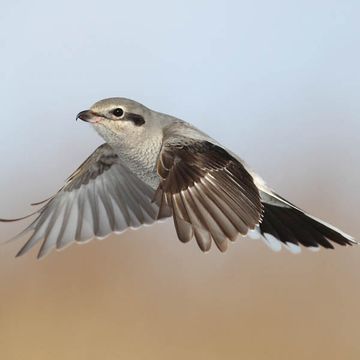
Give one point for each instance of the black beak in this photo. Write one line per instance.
(85, 115)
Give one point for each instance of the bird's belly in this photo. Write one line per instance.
(144, 167)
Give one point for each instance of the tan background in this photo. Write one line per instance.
(278, 83)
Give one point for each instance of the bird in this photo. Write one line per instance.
(154, 166)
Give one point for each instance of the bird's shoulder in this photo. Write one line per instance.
(181, 134)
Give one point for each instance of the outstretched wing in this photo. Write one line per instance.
(211, 194)
(100, 197)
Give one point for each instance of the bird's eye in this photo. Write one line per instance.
(118, 112)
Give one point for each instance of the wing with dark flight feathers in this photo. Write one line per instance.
(212, 196)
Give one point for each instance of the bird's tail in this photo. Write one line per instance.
(285, 224)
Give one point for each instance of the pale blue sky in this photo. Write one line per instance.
(277, 82)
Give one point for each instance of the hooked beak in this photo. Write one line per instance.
(88, 116)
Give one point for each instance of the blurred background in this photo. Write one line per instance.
(276, 82)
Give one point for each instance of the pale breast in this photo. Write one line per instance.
(141, 160)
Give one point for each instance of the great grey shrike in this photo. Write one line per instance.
(153, 166)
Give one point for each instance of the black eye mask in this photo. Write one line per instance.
(138, 120)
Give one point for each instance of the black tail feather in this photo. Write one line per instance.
(290, 225)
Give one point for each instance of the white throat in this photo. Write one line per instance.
(139, 152)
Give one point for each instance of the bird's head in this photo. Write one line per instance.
(118, 118)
